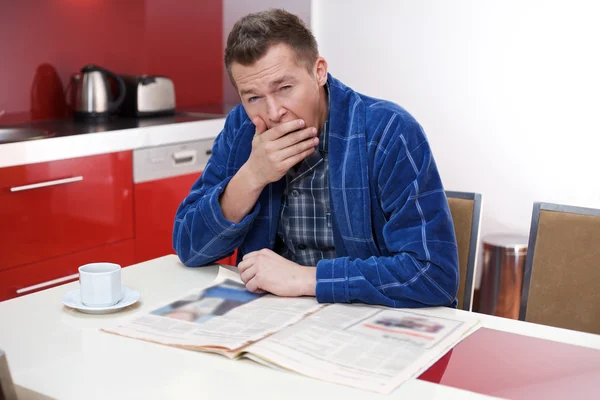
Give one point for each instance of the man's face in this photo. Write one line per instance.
(278, 88)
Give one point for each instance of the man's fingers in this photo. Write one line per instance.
(291, 161)
(248, 274)
(298, 148)
(285, 128)
(252, 286)
(245, 264)
(296, 137)
(260, 125)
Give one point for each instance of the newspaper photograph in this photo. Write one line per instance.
(412, 329)
(201, 306)
(222, 318)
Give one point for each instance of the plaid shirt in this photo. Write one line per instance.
(305, 235)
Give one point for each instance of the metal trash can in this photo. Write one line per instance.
(503, 266)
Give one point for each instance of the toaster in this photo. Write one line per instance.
(148, 96)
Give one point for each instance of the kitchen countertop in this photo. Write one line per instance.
(69, 138)
(70, 127)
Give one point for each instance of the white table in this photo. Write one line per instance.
(61, 352)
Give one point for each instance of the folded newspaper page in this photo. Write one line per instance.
(368, 347)
(223, 318)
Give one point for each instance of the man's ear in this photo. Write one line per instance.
(321, 71)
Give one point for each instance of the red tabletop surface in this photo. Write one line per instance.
(514, 366)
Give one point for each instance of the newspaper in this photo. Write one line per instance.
(223, 318)
(368, 347)
(371, 348)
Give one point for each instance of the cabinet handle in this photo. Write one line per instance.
(48, 283)
(45, 184)
(184, 157)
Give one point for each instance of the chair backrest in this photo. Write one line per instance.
(466, 215)
(7, 388)
(561, 284)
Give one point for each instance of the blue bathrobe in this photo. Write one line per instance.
(393, 230)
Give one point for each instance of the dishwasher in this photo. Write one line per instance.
(163, 177)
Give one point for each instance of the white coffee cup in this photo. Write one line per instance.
(100, 284)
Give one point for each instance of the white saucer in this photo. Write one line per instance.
(73, 299)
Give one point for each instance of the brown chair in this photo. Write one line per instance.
(466, 215)
(561, 284)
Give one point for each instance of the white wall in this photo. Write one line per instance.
(507, 91)
(235, 9)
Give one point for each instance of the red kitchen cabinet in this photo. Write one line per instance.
(155, 204)
(163, 178)
(56, 208)
(34, 277)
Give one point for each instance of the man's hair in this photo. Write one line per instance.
(253, 35)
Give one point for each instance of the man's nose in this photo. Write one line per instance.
(276, 111)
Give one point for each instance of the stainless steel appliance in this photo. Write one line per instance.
(148, 96)
(90, 95)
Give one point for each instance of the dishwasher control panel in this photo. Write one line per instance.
(162, 162)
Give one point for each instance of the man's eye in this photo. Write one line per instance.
(286, 87)
(252, 99)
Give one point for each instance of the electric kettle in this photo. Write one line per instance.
(90, 95)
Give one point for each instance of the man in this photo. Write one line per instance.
(324, 191)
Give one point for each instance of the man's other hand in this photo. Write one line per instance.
(267, 271)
